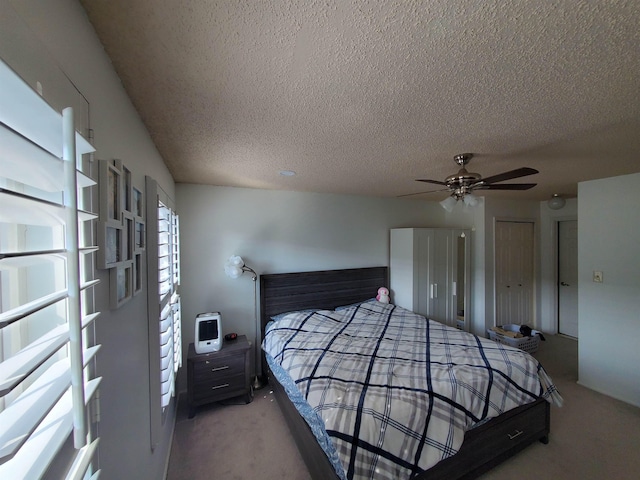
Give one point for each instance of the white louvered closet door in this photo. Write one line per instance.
(47, 346)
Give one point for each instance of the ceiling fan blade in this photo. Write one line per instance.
(437, 182)
(518, 172)
(506, 186)
(420, 193)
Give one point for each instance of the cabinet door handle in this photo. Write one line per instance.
(217, 369)
(224, 385)
(515, 435)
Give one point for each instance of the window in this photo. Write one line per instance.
(165, 335)
(47, 346)
(169, 300)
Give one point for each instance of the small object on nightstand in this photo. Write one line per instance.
(216, 376)
(208, 335)
(230, 336)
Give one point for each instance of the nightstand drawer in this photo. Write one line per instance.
(218, 367)
(218, 387)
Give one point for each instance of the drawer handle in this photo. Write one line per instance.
(217, 369)
(224, 385)
(515, 435)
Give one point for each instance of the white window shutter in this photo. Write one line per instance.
(46, 277)
(165, 330)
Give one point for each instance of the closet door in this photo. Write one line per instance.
(514, 272)
(441, 290)
(424, 270)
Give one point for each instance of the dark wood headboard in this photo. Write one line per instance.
(326, 289)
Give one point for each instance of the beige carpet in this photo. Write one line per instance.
(592, 436)
(234, 442)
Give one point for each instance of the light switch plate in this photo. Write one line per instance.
(597, 276)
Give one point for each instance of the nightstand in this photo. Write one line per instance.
(220, 375)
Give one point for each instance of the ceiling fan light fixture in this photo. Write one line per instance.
(556, 202)
(448, 203)
(470, 200)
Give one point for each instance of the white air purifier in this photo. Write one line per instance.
(208, 336)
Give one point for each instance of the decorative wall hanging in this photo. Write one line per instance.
(121, 231)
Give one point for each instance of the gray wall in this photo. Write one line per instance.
(609, 312)
(274, 232)
(63, 36)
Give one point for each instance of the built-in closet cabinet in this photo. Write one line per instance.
(430, 273)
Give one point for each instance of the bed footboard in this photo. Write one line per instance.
(494, 442)
(483, 448)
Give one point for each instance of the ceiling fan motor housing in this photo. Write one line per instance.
(462, 178)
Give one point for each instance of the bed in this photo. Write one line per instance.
(484, 446)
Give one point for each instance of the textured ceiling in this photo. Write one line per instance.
(363, 97)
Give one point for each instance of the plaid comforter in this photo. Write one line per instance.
(394, 391)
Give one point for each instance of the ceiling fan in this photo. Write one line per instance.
(462, 184)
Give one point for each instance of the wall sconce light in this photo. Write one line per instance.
(556, 202)
(234, 268)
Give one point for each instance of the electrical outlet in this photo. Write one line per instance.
(597, 276)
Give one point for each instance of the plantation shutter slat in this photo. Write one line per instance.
(85, 181)
(32, 253)
(95, 476)
(47, 355)
(89, 284)
(82, 461)
(20, 209)
(28, 308)
(84, 216)
(177, 331)
(22, 417)
(15, 369)
(30, 164)
(31, 258)
(35, 456)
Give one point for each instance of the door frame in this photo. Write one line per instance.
(555, 319)
(536, 262)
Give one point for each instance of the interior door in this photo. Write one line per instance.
(514, 272)
(568, 278)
